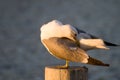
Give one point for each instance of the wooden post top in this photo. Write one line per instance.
(71, 73)
(70, 68)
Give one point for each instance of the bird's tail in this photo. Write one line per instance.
(94, 61)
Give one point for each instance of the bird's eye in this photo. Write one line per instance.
(75, 34)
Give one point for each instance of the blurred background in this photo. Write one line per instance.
(23, 57)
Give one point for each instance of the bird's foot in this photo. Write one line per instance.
(66, 66)
(62, 67)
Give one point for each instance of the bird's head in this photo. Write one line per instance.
(57, 29)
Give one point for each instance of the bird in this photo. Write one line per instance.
(71, 44)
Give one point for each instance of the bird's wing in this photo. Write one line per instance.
(67, 49)
(88, 41)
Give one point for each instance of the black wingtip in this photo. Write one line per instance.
(110, 44)
(107, 65)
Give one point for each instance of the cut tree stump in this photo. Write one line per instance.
(71, 73)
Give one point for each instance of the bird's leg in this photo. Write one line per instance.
(66, 64)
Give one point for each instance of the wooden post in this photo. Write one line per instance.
(72, 73)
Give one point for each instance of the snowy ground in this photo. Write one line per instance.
(23, 57)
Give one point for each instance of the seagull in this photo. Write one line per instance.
(71, 44)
